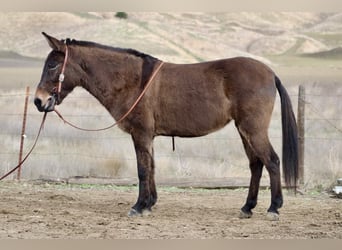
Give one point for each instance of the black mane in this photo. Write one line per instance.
(98, 45)
(148, 61)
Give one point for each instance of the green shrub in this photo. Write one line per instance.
(122, 15)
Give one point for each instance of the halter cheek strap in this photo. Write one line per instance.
(61, 76)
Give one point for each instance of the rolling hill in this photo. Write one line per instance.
(178, 37)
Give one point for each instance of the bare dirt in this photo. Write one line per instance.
(34, 210)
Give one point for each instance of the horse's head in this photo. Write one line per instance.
(57, 79)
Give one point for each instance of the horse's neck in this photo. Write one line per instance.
(112, 81)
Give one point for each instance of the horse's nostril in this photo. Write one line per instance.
(38, 102)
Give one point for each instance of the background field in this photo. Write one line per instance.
(303, 48)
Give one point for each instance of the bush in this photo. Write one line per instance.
(122, 15)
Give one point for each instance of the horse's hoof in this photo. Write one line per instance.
(272, 216)
(245, 215)
(134, 213)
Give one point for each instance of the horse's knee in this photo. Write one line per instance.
(275, 159)
(273, 164)
(143, 172)
(273, 169)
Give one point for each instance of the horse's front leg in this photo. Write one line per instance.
(147, 191)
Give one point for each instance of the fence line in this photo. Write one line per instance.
(313, 115)
(315, 110)
(308, 104)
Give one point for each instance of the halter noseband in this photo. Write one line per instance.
(57, 90)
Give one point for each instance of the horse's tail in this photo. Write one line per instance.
(290, 137)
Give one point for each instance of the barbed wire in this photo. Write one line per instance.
(102, 156)
(315, 110)
(310, 106)
(88, 96)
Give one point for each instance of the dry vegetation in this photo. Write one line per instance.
(289, 42)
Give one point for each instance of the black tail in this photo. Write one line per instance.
(290, 137)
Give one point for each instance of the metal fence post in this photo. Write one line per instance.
(22, 137)
(301, 133)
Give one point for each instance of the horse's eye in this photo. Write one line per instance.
(52, 65)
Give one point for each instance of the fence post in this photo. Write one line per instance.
(22, 137)
(301, 132)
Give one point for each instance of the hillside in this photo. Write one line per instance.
(178, 37)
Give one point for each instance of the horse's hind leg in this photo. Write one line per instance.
(258, 143)
(255, 166)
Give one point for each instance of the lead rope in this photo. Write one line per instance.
(34, 144)
(124, 116)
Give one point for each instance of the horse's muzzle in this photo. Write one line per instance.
(45, 104)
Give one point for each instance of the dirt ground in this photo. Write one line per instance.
(33, 210)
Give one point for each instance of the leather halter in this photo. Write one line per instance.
(57, 90)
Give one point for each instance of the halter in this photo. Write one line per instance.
(57, 90)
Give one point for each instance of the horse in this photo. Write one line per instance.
(183, 100)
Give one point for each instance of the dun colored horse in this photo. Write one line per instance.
(185, 100)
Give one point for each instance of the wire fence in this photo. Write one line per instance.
(66, 152)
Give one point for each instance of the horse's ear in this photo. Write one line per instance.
(54, 43)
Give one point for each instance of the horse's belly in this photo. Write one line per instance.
(192, 122)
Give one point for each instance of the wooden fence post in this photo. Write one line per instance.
(301, 133)
(22, 137)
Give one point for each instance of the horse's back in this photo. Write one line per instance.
(233, 75)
